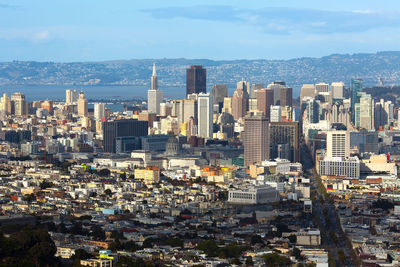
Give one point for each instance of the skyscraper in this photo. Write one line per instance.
(82, 105)
(244, 85)
(239, 103)
(337, 89)
(219, 92)
(275, 114)
(254, 88)
(196, 80)
(204, 116)
(338, 144)
(286, 98)
(265, 99)
(277, 87)
(256, 139)
(285, 133)
(99, 110)
(5, 104)
(366, 115)
(313, 111)
(355, 88)
(322, 87)
(71, 96)
(307, 90)
(19, 104)
(154, 96)
(122, 129)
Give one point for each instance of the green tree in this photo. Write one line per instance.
(274, 259)
(209, 247)
(249, 261)
(341, 256)
(98, 233)
(45, 184)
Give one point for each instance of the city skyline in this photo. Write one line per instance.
(101, 30)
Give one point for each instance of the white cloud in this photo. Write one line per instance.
(41, 36)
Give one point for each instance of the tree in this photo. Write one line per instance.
(29, 197)
(108, 192)
(274, 259)
(249, 261)
(341, 256)
(209, 247)
(45, 184)
(104, 172)
(80, 254)
(123, 176)
(256, 239)
(98, 233)
(297, 254)
(174, 242)
(28, 247)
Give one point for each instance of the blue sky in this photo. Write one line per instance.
(93, 30)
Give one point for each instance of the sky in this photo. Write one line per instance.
(96, 30)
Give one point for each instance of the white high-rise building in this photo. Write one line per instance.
(275, 114)
(367, 108)
(322, 87)
(154, 96)
(71, 96)
(5, 104)
(337, 89)
(338, 144)
(204, 115)
(99, 111)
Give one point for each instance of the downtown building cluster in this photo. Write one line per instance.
(167, 179)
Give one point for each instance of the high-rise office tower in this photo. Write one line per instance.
(227, 105)
(313, 111)
(365, 112)
(256, 139)
(277, 87)
(285, 133)
(71, 96)
(99, 110)
(338, 144)
(239, 103)
(307, 90)
(322, 87)
(286, 98)
(82, 105)
(244, 85)
(253, 105)
(355, 88)
(154, 96)
(276, 114)
(196, 80)
(337, 89)
(129, 128)
(19, 104)
(5, 104)
(254, 88)
(265, 99)
(204, 115)
(219, 92)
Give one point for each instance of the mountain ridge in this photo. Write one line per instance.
(136, 72)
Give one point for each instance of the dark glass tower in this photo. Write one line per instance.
(196, 80)
(121, 128)
(355, 87)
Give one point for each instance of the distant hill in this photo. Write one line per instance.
(171, 72)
